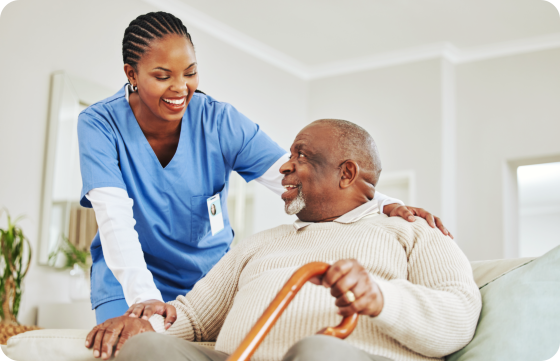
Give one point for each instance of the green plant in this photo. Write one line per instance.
(72, 255)
(13, 267)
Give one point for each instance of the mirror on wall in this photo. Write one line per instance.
(62, 217)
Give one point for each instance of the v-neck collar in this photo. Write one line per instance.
(139, 134)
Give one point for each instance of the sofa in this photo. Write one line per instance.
(520, 318)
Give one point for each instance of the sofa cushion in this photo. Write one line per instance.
(485, 272)
(50, 345)
(55, 345)
(520, 318)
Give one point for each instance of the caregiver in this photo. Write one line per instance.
(155, 160)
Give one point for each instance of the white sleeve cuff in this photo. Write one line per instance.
(272, 178)
(384, 200)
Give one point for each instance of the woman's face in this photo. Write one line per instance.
(166, 77)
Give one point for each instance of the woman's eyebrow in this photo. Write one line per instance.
(165, 69)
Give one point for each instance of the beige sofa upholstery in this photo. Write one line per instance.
(68, 345)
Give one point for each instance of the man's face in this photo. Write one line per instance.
(311, 176)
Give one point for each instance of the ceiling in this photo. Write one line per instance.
(320, 31)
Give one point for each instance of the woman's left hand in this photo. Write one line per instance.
(408, 213)
(148, 308)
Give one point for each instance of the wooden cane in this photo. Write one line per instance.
(278, 305)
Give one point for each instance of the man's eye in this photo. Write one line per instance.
(300, 155)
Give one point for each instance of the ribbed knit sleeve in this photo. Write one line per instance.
(434, 312)
(201, 313)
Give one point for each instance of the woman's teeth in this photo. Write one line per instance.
(175, 102)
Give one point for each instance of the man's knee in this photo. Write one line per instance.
(315, 348)
(145, 346)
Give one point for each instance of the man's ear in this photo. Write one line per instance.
(349, 171)
(130, 74)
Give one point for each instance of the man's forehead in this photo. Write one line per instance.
(314, 135)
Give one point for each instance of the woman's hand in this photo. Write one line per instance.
(353, 287)
(408, 213)
(146, 309)
(104, 336)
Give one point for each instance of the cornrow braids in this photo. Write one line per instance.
(146, 28)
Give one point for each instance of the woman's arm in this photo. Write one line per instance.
(121, 247)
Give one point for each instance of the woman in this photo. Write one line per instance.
(152, 158)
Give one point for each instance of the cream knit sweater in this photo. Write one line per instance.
(431, 302)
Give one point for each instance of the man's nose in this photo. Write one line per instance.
(287, 167)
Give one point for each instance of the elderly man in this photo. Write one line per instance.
(412, 286)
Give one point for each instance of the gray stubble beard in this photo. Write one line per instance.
(297, 205)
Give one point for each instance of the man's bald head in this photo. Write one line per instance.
(354, 142)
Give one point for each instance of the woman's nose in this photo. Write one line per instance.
(180, 86)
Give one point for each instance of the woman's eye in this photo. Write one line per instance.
(191, 74)
(158, 78)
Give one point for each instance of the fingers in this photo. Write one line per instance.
(345, 284)
(90, 336)
(129, 311)
(97, 341)
(131, 328)
(171, 316)
(316, 280)
(442, 228)
(357, 306)
(429, 218)
(359, 289)
(125, 335)
(149, 311)
(337, 271)
(135, 310)
(406, 213)
(111, 336)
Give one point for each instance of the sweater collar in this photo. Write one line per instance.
(366, 209)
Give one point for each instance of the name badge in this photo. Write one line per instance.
(215, 213)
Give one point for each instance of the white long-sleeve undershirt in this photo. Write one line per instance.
(121, 246)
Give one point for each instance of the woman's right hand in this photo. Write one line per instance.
(146, 309)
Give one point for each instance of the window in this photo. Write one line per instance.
(539, 208)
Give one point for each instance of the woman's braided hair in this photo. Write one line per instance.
(145, 29)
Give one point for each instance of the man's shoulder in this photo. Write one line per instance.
(401, 228)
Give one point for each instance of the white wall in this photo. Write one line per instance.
(507, 109)
(400, 107)
(84, 38)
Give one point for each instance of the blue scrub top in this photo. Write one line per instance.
(170, 207)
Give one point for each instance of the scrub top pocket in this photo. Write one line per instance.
(200, 222)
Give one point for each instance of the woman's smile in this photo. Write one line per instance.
(175, 104)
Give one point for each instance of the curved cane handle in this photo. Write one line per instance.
(278, 305)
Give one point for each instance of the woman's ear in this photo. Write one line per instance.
(349, 171)
(130, 74)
